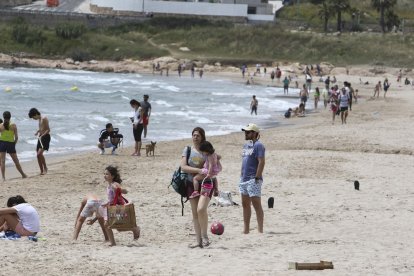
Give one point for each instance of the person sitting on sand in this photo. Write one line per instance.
(288, 113)
(20, 216)
(300, 110)
(90, 204)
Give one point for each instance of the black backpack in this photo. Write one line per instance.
(179, 182)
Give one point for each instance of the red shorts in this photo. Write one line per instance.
(145, 120)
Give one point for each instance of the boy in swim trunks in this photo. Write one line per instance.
(90, 204)
(43, 138)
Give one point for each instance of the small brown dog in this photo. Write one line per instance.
(150, 148)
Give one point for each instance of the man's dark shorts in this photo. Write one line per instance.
(344, 108)
(45, 141)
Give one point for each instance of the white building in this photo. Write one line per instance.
(250, 10)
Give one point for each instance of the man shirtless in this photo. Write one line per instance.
(377, 89)
(253, 105)
(43, 139)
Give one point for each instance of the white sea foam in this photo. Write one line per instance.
(100, 118)
(163, 103)
(72, 136)
(179, 104)
(204, 121)
(170, 88)
(93, 126)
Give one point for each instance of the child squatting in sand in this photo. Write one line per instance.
(211, 168)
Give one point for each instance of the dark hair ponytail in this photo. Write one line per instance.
(206, 146)
(6, 117)
(115, 174)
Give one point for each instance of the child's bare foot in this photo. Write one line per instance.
(137, 232)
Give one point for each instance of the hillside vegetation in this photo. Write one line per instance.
(209, 41)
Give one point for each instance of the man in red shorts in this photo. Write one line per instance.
(146, 106)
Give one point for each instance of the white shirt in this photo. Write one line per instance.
(137, 118)
(28, 216)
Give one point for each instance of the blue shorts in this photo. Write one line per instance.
(251, 187)
(8, 147)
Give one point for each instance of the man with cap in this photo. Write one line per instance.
(146, 108)
(251, 178)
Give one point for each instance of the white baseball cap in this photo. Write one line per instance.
(251, 127)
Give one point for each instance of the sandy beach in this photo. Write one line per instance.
(310, 169)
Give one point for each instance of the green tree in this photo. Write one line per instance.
(339, 6)
(324, 12)
(382, 6)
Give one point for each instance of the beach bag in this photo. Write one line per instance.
(179, 182)
(224, 199)
(121, 214)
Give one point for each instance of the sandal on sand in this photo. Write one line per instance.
(196, 245)
(206, 242)
(195, 194)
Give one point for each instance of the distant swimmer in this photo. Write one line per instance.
(253, 105)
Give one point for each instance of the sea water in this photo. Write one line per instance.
(80, 103)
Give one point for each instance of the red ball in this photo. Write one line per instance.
(217, 228)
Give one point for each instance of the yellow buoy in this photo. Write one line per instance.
(74, 88)
(8, 89)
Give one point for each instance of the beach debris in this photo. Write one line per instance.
(8, 89)
(270, 202)
(356, 185)
(74, 88)
(224, 199)
(311, 266)
(184, 49)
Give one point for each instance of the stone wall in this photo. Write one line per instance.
(54, 18)
(14, 3)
